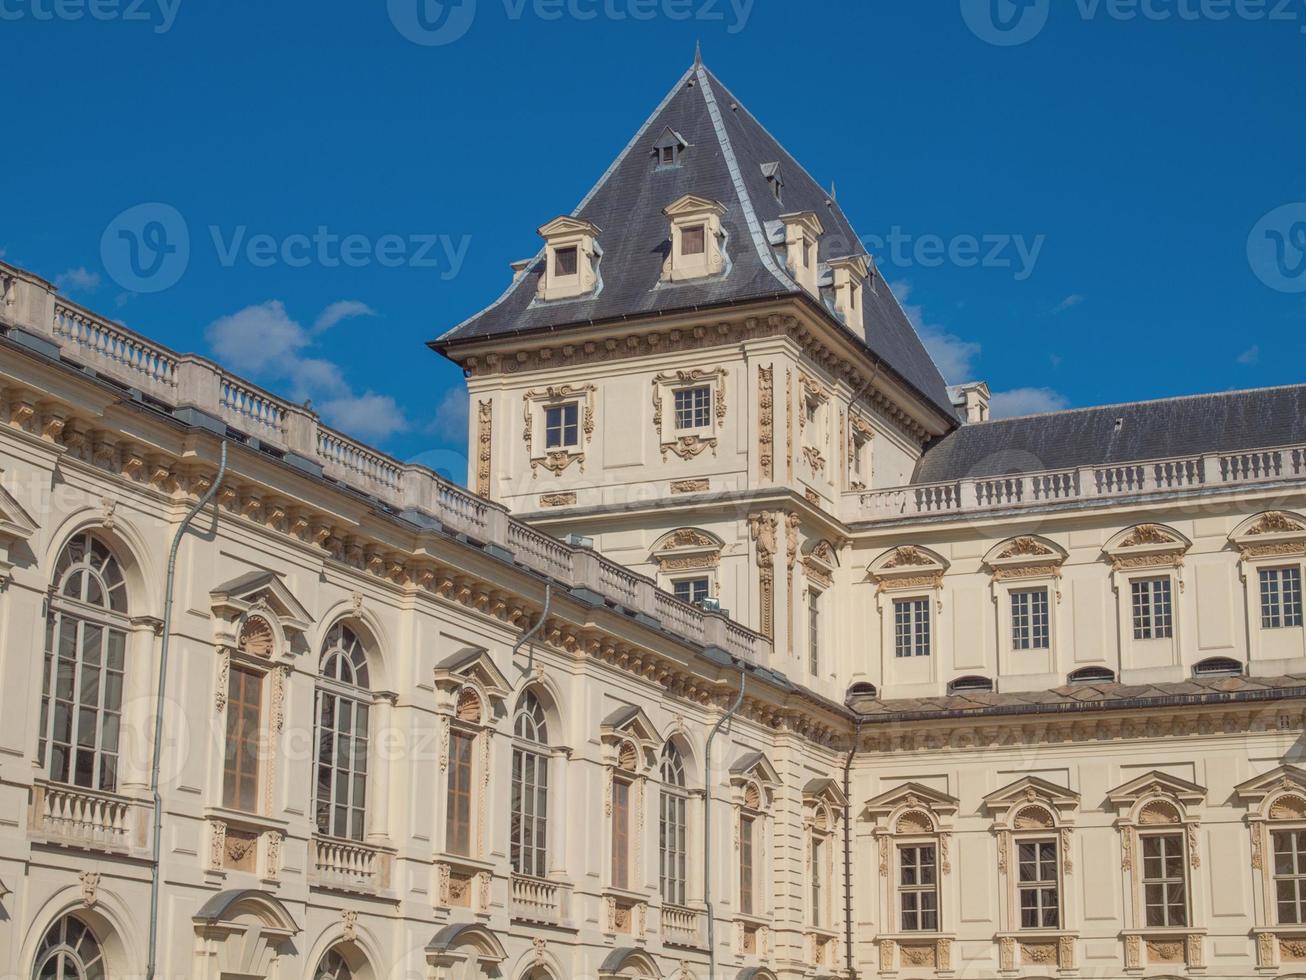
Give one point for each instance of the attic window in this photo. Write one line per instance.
(1092, 675)
(971, 685)
(669, 149)
(771, 171)
(1218, 667)
(565, 261)
(668, 155)
(693, 240)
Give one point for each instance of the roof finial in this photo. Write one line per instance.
(698, 54)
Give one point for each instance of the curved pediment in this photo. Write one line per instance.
(908, 564)
(1146, 545)
(1271, 534)
(1030, 552)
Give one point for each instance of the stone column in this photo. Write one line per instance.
(383, 743)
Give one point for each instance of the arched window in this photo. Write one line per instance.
(69, 951)
(333, 967)
(530, 789)
(343, 714)
(672, 843)
(85, 657)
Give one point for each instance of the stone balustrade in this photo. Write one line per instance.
(683, 927)
(196, 389)
(348, 865)
(78, 817)
(537, 900)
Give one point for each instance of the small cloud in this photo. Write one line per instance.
(342, 310)
(1055, 360)
(79, 278)
(450, 419)
(1251, 356)
(1069, 303)
(953, 356)
(258, 339)
(1027, 401)
(367, 416)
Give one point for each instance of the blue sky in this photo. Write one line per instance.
(1068, 217)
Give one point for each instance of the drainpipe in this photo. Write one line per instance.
(158, 709)
(707, 825)
(525, 637)
(848, 846)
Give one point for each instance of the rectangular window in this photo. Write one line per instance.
(746, 824)
(668, 155)
(561, 426)
(694, 407)
(693, 240)
(1290, 876)
(1165, 886)
(1030, 629)
(244, 726)
(1153, 609)
(566, 261)
(620, 834)
(814, 632)
(692, 590)
(918, 890)
(1040, 903)
(673, 849)
(461, 745)
(911, 622)
(1281, 605)
(818, 882)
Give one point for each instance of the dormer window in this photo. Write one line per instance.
(849, 277)
(572, 254)
(774, 180)
(803, 233)
(696, 239)
(669, 149)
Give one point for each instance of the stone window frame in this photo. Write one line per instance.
(849, 284)
(688, 552)
(815, 398)
(754, 789)
(1020, 947)
(1148, 551)
(1272, 539)
(630, 752)
(1021, 564)
(534, 423)
(909, 572)
(1274, 801)
(820, 560)
(861, 438)
(913, 813)
(1171, 805)
(691, 443)
(824, 805)
(563, 233)
(690, 212)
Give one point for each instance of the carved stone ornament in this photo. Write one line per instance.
(484, 438)
(766, 422)
(701, 485)
(90, 881)
(567, 499)
(349, 926)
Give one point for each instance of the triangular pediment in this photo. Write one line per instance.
(1030, 789)
(566, 225)
(265, 591)
(1279, 778)
(855, 264)
(693, 204)
(825, 789)
(912, 794)
(809, 221)
(1156, 783)
(670, 138)
(755, 765)
(632, 721)
(15, 523)
(475, 666)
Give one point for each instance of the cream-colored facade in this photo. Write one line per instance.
(700, 681)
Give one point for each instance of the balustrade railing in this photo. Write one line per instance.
(537, 900)
(349, 865)
(82, 817)
(683, 927)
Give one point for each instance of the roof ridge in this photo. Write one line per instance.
(1143, 401)
(756, 232)
(603, 179)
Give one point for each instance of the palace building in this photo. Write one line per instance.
(753, 650)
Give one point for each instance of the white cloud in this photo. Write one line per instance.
(79, 278)
(342, 310)
(954, 357)
(266, 343)
(1070, 302)
(450, 419)
(1251, 356)
(1027, 401)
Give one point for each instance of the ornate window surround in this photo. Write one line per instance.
(1053, 815)
(534, 404)
(1275, 801)
(900, 574)
(1019, 564)
(913, 813)
(465, 879)
(688, 444)
(567, 232)
(630, 751)
(814, 439)
(687, 212)
(861, 435)
(688, 551)
(1148, 551)
(1157, 800)
(754, 784)
(823, 809)
(1273, 539)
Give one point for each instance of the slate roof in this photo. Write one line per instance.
(1189, 426)
(1088, 697)
(727, 160)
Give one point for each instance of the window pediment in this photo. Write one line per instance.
(753, 781)
(1272, 534)
(475, 668)
(1028, 556)
(1147, 546)
(241, 605)
(629, 740)
(823, 804)
(696, 239)
(890, 808)
(908, 566)
(687, 549)
(1135, 796)
(1279, 794)
(820, 561)
(571, 247)
(15, 525)
(1009, 803)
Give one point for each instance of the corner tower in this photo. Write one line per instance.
(697, 367)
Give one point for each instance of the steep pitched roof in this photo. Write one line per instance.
(1224, 422)
(728, 157)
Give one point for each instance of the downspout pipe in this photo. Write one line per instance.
(707, 823)
(848, 847)
(530, 633)
(203, 502)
